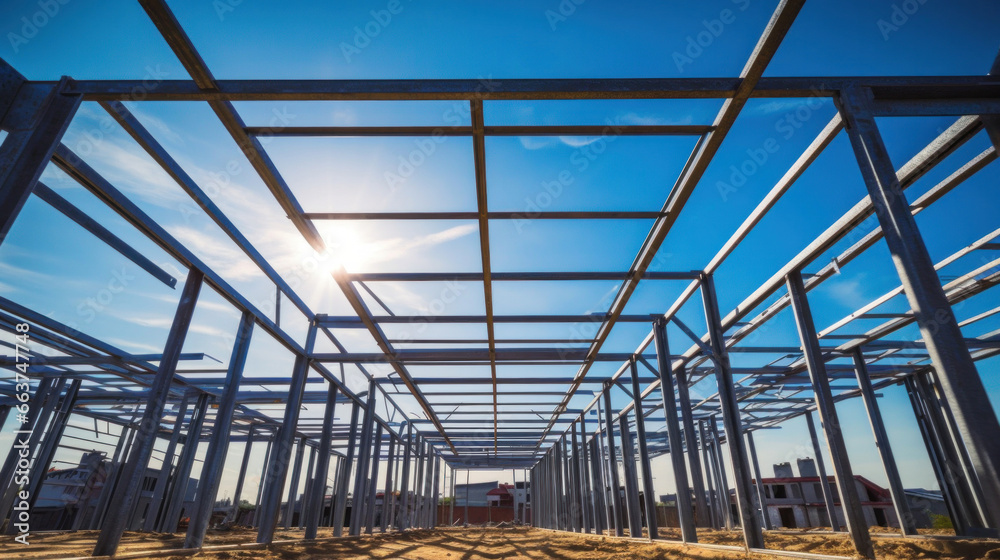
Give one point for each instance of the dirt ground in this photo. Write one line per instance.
(498, 544)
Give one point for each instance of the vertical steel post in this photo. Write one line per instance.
(761, 496)
(938, 460)
(842, 472)
(388, 493)
(631, 479)
(600, 489)
(702, 513)
(961, 384)
(437, 491)
(293, 484)
(616, 499)
(277, 469)
(902, 507)
(244, 464)
(371, 494)
(824, 480)
(706, 451)
(134, 470)
(589, 509)
(344, 475)
(177, 494)
(403, 522)
(721, 480)
(262, 479)
(649, 495)
(40, 467)
(666, 374)
(306, 496)
(163, 477)
(752, 535)
(218, 446)
(323, 468)
(418, 483)
(579, 495)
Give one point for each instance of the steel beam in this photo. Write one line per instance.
(134, 470)
(293, 484)
(323, 468)
(824, 481)
(241, 479)
(684, 510)
(364, 458)
(218, 447)
(277, 468)
(176, 496)
(344, 475)
(960, 381)
(899, 500)
(616, 500)
(29, 147)
(369, 499)
(759, 482)
(752, 535)
(825, 406)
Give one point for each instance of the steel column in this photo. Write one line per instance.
(388, 492)
(666, 373)
(403, 519)
(262, 479)
(40, 467)
(174, 503)
(722, 482)
(702, 513)
(277, 469)
(752, 535)
(218, 447)
(899, 502)
(306, 496)
(600, 489)
(758, 479)
(370, 497)
(616, 500)
(361, 469)
(824, 481)
(589, 509)
(323, 468)
(134, 470)
(710, 469)
(293, 484)
(961, 384)
(342, 482)
(241, 479)
(631, 479)
(842, 472)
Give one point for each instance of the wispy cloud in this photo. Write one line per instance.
(849, 292)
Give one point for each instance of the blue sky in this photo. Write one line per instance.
(50, 265)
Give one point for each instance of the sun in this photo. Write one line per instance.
(346, 248)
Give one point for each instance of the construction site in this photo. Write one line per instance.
(650, 280)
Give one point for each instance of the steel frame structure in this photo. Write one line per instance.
(568, 461)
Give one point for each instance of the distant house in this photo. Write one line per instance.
(474, 494)
(68, 497)
(501, 496)
(797, 501)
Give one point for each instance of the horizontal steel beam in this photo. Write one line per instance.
(513, 276)
(888, 87)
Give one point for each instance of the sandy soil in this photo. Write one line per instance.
(501, 544)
